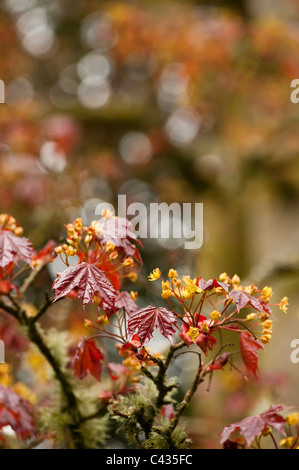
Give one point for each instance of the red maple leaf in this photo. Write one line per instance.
(16, 412)
(111, 274)
(241, 299)
(87, 358)
(253, 426)
(87, 280)
(143, 322)
(211, 283)
(123, 299)
(249, 352)
(13, 248)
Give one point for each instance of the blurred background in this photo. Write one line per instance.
(185, 101)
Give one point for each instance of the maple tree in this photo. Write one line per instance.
(142, 396)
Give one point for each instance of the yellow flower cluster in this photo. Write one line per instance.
(166, 292)
(132, 363)
(267, 331)
(9, 222)
(65, 249)
(190, 287)
(235, 283)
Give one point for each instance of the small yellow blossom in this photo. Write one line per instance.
(113, 256)
(236, 280)
(223, 277)
(215, 315)
(110, 247)
(166, 294)
(284, 304)
(172, 273)
(267, 324)
(265, 338)
(267, 294)
(292, 419)
(165, 285)
(267, 430)
(133, 295)
(156, 274)
(102, 320)
(19, 231)
(193, 333)
(252, 289)
(87, 239)
(88, 323)
(264, 316)
(177, 282)
(128, 262)
(251, 316)
(287, 442)
(132, 276)
(205, 328)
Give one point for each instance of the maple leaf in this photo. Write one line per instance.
(16, 412)
(87, 280)
(249, 352)
(87, 358)
(253, 426)
(241, 299)
(143, 322)
(123, 299)
(211, 283)
(13, 248)
(119, 231)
